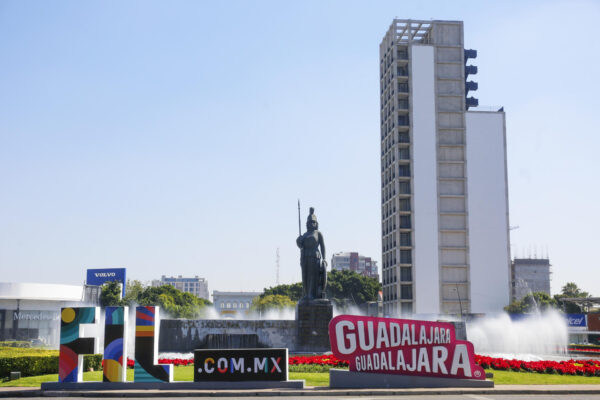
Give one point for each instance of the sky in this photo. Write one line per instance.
(175, 138)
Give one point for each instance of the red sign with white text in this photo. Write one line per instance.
(402, 347)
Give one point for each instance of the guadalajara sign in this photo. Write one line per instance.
(402, 347)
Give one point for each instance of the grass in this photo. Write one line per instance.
(312, 378)
(322, 378)
(179, 374)
(533, 378)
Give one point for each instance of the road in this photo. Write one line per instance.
(403, 397)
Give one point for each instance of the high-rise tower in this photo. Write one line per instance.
(444, 199)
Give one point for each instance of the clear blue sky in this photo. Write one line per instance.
(175, 137)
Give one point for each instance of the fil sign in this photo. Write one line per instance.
(241, 365)
(402, 347)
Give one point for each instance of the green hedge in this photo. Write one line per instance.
(311, 368)
(15, 343)
(10, 352)
(32, 365)
(584, 346)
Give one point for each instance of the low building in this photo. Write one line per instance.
(529, 275)
(196, 285)
(31, 311)
(233, 303)
(355, 262)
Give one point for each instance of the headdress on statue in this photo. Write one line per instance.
(311, 217)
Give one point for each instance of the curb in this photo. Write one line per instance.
(312, 391)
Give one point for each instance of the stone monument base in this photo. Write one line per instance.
(343, 379)
(312, 319)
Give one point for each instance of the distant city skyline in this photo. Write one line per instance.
(176, 138)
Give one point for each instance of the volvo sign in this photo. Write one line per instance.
(100, 276)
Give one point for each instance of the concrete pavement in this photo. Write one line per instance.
(312, 391)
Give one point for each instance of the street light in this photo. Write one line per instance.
(459, 302)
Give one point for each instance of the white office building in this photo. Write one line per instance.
(194, 285)
(232, 304)
(445, 243)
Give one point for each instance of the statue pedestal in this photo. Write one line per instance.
(312, 320)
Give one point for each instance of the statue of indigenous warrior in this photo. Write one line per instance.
(312, 260)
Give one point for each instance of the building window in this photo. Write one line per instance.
(405, 239)
(404, 204)
(406, 292)
(228, 305)
(403, 153)
(406, 274)
(404, 170)
(405, 222)
(405, 256)
(404, 188)
(406, 308)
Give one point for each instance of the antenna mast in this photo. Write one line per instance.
(277, 267)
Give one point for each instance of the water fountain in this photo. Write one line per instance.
(532, 337)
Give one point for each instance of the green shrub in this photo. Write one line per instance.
(8, 352)
(29, 365)
(39, 364)
(93, 361)
(15, 343)
(311, 368)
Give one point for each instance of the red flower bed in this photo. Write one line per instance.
(325, 359)
(174, 361)
(584, 349)
(570, 367)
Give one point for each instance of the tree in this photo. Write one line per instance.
(349, 287)
(133, 289)
(270, 302)
(293, 291)
(343, 287)
(533, 302)
(570, 290)
(174, 302)
(111, 294)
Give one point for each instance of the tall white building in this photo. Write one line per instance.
(444, 199)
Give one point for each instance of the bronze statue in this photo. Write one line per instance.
(312, 261)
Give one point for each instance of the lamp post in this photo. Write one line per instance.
(459, 301)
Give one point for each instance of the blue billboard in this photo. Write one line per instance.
(576, 320)
(102, 275)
